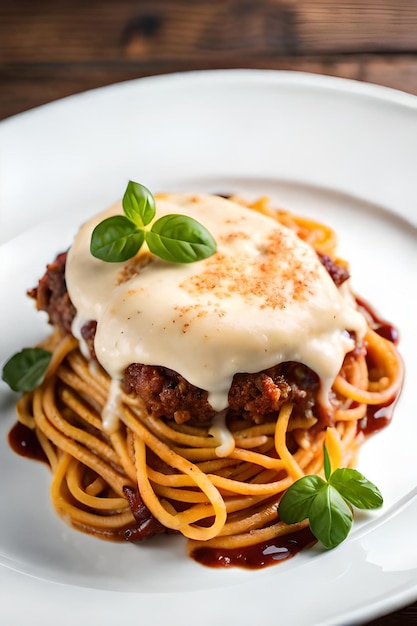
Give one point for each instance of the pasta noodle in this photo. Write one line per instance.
(219, 493)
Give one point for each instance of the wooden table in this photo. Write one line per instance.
(54, 48)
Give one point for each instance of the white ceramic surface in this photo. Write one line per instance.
(337, 150)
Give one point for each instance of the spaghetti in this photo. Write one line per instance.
(218, 482)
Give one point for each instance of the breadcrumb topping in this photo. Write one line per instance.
(274, 275)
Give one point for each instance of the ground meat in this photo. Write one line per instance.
(88, 332)
(338, 273)
(257, 396)
(51, 295)
(168, 394)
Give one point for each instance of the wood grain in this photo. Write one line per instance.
(104, 30)
(53, 48)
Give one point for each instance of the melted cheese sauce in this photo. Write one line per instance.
(262, 299)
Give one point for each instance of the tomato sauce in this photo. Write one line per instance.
(23, 441)
(257, 556)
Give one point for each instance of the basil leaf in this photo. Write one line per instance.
(355, 488)
(116, 239)
(180, 239)
(25, 370)
(296, 502)
(330, 517)
(327, 465)
(174, 238)
(138, 204)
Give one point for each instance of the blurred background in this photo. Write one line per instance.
(54, 48)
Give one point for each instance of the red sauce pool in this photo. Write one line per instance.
(23, 441)
(378, 324)
(258, 556)
(377, 418)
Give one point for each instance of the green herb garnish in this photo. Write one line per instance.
(25, 370)
(327, 504)
(174, 238)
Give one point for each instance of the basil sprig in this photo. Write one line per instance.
(327, 504)
(26, 369)
(174, 238)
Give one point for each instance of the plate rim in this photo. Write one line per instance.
(292, 77)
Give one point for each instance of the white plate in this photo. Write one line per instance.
(341, 151)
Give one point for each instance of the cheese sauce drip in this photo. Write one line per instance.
(264, 298)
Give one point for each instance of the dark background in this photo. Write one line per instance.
(54, 48)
